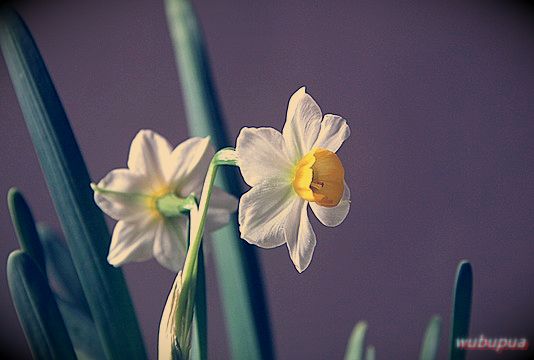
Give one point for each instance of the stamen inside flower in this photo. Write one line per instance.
(319, 177)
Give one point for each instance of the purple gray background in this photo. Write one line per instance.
(440, 162)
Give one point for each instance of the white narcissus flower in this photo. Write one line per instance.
(289, 171)
(130, 195)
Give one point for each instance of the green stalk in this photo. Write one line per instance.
(37, 309)
(199, 347)
(222, 157)
(197, 222)
(189, 323)
(238, 270)
(68, 182)
(461, 308)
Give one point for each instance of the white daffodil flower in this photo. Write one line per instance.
(289, 171)
(157, 176)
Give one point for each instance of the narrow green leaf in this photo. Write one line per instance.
(238, 270)
(199, 347)
(71, 301)
(22, 219)
(37, 310)
(60, 269)
(68, 182)
(82, 331)
(461, 308)
(429, 348)
(356, 346)
(370, 353)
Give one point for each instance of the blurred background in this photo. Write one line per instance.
(439, 97)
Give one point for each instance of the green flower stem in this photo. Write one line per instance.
(225, 156)
(197, 220)
(199, 341)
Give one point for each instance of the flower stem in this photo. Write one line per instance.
(197, 221)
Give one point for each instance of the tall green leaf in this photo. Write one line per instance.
(70, 299)
(238, 271)
(356, 346)
(429, 348)
(461, 308)
(37, 309)
(68, 182)
(82, 332)
(24, 224)
(60, 270)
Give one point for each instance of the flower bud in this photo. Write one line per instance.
(175, 327)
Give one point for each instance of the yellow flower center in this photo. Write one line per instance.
(319, 177)
(152, 200)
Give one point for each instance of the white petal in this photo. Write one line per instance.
(300, 236)
(302, 125)
(262, 154)
(263, 212)
(167, 332)
(188, 163)
(131, 241)
(222, 205)
(333, 216)
(123, 198)
(334, 131)
(170, 243)
(149, 152)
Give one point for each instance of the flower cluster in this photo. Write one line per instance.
(286, 171)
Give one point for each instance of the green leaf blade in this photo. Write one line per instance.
(429, 348)
(24, 224)
(70, 298)
(370, 354)
(60, 269)
(356, 346)
(37, 310)
(461, 308)
(238, 270)
(68, 182)
(82, 331)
